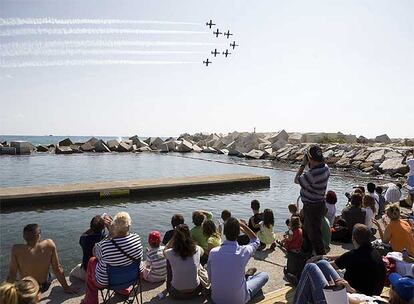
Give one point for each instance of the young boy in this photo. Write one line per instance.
(155, 269)
(197, 231)
(225, 214)
(254, 222)
(176, 220)
(293, 209)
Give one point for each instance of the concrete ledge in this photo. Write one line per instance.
(13, 196)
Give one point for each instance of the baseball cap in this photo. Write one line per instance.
(403, 286)
(154, 238)
(315, 152)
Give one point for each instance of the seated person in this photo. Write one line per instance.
(183, 255)
(212, 235)
(368, 204)
(362, 262)
(292, 241)
(326, 232)
(254, 221)
(34, 259)
(227, 263)
(155, 269)
(353, 214)
(330, 201)
(225, 215)
(120, 248)
(293, 210)
(24, 291)
(176, 220)
(371, 193)
(87, 241)
(402, 289)
(381, 200)
(398, 232)
(266, 234)
(197, 231)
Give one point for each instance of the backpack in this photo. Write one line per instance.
(296, 261)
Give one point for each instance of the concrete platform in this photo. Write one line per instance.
(13, 196)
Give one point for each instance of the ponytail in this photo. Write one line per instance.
(8, 293)
(24, 291)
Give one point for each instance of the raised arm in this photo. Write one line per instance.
(245, 228)
(301, 169)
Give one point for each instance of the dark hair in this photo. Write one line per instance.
(356, 200)
(371, 187)
(294, 222)
(225, 214)
(268, 218)
(255, 205)
(330, 197)
(369, 202)
(293, 208)
(97, 224)
(183, 244)
(209, 228)
(361, 234)
(360, 188)
(315, 152)
(379, 189)
(232, 229)
(28, 231)
(198, 218)
(399, 185)
(176, 220)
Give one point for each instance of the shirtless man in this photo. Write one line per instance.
(34, 259)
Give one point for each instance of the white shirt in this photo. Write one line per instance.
(369, 216)
(376, 199)
(331, 213)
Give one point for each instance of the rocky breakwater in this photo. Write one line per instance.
(380, 155)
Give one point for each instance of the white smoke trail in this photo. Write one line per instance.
(89, 31)
(50, 63)
(55, 21)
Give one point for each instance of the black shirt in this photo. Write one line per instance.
(353, 215)
(167, 236)
(255, 219)
(87, 242)
(364, 269)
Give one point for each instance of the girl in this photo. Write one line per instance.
(293, 240)
(368, 204)
(266, 235)
(212, 235)
(24, 291)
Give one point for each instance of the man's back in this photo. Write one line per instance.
(353, 215)
(34, 261)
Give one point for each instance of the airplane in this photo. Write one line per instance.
(207, 62)
(215, 52)
(228, 34)
(217, 33)
(233, 45)
(226, 53)
(210, 24)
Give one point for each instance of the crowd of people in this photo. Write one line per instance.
(210, 257)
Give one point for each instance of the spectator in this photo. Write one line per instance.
(381, 200)
(371, 192)
(368, 204)
(326, 232)
(226, 266)
(293, 210)
(266, 234)
(254, 221)
(176, 220)
(353, 214)
(361, 262)
(225, 215)
(35, 258)
(121, 248)
(398, 232)
(410, 180)
(197, 231)
(313, 185)
(184, 256)
(24, 291)
(212, 235)
(402, 289)
(155, 269)
(331, 200)
(292, 241)
(393, 194)
(87, 241)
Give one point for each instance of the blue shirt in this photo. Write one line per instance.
(226, 268)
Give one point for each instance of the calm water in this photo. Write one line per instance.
(65, 223)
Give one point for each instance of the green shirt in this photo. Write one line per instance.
(326, 232)
(198, 236)
(214, 240)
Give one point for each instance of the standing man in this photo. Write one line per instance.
(313, 184)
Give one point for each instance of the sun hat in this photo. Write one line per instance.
(403, 286)
(154, 238)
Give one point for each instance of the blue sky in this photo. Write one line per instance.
(301, 66)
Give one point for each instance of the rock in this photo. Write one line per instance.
(409, 142)
(362, 140)
(65, 143)
(7, 150)
(76, 149)
(100, 146)
(223, 151)
(295, 138)
(51, 146)
(124, 147)
(328, 154)
(392, 154)
(356, 164)
(362, 155)
(87, 147)
(185, 146)
(263, 146)
(208, 149)
(366, 165)
(135, 140)
(256, 154)
(142, 149)
(376, 157)
(247, 142)
(63, 150)
(154, 143)
(42, 148)
(22, 147)
(197, 149)
(393, 166)
(282, 135)
(112, 144)
(383, 139)
(92, 141)
(279, 144)
(343, 162)
(339, 153)
(368, 169)
(168, 146)
(219, 144)
(231, 147)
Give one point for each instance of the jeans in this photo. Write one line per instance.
(256, 282)
(313, 214)
(312, 281)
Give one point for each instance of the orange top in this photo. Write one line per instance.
(400, 236)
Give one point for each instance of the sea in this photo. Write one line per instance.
(64, 223)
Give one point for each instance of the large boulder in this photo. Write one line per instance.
(362, 140)
(42, 148)
(63, 150)
(168, 146)
(87, 147)
(206, 149)
(112, 144)
(76, 148)
(124, 147)
(344, 162)
(100, 146)
(155, 143)
(393, 166)
(362, 155)
(279, 144)
(282, 135)
(295, 138)
(383, 139)
(376, 156)
(7, 150)
(256, 154)
(197, 149)
(22, 147)
(248, 142)
(185, 146)
(392, 154)
(65, 143)
(138, 142)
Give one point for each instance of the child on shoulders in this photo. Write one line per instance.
(155, 268)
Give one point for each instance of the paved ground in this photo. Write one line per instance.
(270, 261)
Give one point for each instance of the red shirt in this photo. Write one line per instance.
(296, 242)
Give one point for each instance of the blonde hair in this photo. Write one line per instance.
(24, 291)
(393, 211)
(369, 202)
(121, 223)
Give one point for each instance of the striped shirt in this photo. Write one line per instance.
(157, 265)
(313, 184)
(108, 254)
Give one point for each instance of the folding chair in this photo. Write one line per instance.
(122, 277)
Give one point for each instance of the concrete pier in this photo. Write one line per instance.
(14, 196)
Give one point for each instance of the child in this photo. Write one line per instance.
(293, 240)
(330, 201)
(326, 231)
(176, 220)
(212, 235)
(254, 221)
(155, 269)
(368, 204)
(293, 209)
(225, 214)
(266, 235)
(199, 217)
(381, 200)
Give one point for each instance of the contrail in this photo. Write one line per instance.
(55, 21)
(88, 31)
(50, 63)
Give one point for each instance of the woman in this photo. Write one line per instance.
(368, 204)
(330, 201)
(266, 234)
(398, 233)
(25, 291)
(212, 235)
(184, 257)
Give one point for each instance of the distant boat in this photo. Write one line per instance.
(50, 135)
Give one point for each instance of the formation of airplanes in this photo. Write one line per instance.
(217, 33)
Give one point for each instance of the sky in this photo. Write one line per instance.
(120, 68)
